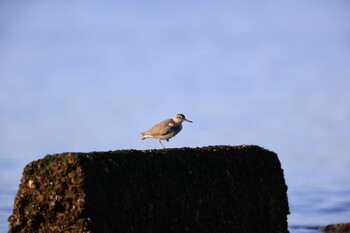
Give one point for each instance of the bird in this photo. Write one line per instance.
(166, 129)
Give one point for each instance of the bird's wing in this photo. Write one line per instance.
(162, 128)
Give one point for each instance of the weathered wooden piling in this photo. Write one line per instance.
(210, 189)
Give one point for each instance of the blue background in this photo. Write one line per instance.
(90, 76)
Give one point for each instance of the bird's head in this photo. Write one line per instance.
(179, 118)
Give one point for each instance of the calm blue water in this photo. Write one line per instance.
(310, 206)
(85, 81)
(313, 207)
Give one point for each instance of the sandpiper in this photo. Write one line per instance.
(166, 129)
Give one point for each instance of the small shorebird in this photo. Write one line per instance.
(165, 129)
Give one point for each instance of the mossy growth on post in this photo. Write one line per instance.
(210, 189)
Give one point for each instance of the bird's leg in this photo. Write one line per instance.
(161, 143)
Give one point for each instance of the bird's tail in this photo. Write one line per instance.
(141, 138)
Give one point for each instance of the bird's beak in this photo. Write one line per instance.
(187, 120)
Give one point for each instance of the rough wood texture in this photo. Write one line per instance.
(211, 189)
